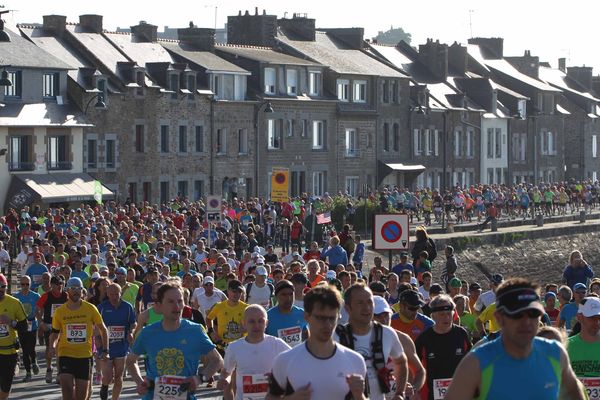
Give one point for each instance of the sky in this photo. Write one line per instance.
(549, 29)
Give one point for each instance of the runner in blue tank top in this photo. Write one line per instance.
(286, 321)
(516, 365)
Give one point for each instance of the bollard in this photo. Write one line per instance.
(539, 220)
(582, 216)
(494, 225)
(450, 228)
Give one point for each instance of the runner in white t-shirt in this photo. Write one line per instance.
(260, 291)
(319, 368)
(251, 357)
(206, 296)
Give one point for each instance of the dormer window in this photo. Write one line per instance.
(291, 78)
(102, 86)
(360, 91)
(342, 89)
(314, 83)
(522, 108)
(216, 85)
(51, 86)
(270, 80)
(15, 90)
(191, 85)
(174, 85)
(140, 79)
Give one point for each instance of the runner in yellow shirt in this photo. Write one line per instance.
(12, 318)
(73, 327)
(228, 316)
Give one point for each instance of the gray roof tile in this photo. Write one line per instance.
(20, 52)
(205, 59)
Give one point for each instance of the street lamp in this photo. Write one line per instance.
(267, 108)
(100, 104)
(4, 81)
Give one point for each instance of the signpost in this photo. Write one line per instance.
(280, 187)
(213, 212)
(390, 232)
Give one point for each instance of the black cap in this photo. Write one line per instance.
(412, 298)
(57, 280)
(497, 279)
(377, 287)
(436, 288)
(474, 286)
(234, 284)
(299, 278)
(283, 284)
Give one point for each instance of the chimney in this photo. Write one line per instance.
(562, 64)
(91, 23)
(492, 48)
(299, 27)
(145, 32)
(252, 30)
(582, 75)
(458, 58)
(434, 55)
(527, 64)
(55, 23)
(596, 84)
(202, 39)
(353, 37)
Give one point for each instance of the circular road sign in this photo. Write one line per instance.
(391, 231)
(280, 178)
(214, 203)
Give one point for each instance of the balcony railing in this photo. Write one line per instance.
(59, 165)
(21, 166)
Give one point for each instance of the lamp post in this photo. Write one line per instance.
(267, 108)
(100, 104)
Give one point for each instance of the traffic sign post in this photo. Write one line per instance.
(213, 212)
(390, 232)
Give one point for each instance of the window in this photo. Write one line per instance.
(110, 153)
(360, 91)
(58, 152)
(15, 90)
(147, 191)
(470, 144)
(139, 138)
(298, 183)
(594, 146)
(305, 128)
(396, 137)
(395, 92)
(319, 184)
(139, 79)
(499, 174)
(314, 83)
(289, 127)
(239, 82)
(490, 176)
(551, 144)
(386, 136)
(174, 85)
(164, 192)
(164, 138)
(432, 142)
(92, 154)
(50, 85)
(522, 109)
(352, 185)
(182, 189)
(243, 141)
(198, 190)
(523, 146)
(318, 134)
(291, 79)
(273, 135)
(199, 139)
(132, 192)
(183, 144)
(351, 143)
(458, 143)
(102, 87)
(498, 143)
(191, 85)
(417, 142)
(490, 143)
(216, 86)
(385, 91)
(221, 142)
(270, 80)
(342, 89)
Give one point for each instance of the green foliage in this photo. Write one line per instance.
(393, 36)
(337, 207)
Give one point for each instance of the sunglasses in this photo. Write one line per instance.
(531, 314)
(413, 308)
(75, 288)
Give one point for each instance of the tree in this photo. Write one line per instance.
(393, 36)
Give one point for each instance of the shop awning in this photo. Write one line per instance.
(409, 170)
(26, 189)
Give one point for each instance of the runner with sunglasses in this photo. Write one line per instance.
(502, 368)
(71, 338)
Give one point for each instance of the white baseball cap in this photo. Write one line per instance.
(591, 307)
(381, 305)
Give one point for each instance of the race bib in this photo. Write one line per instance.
(592, 386)
(166, 387)
(292, 336)
(116, 333)
(255, 386)
(53, 309)
(37, 279)
(29, 326)
(3, 330)
(76, 333)
(440, 388)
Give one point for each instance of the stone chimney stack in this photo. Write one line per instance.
(583, 76)
(434, 55)
(145, 32)
(201, 38)
(91, 23)
(252, 30)
(56, 23)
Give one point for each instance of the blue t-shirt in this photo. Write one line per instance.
(569, 314)
(29, 303)
(84, 276)
(504, 377)
(182, 273)
(35, 272)
(118, 322)
(172, 353)
(287, 327)
(398, 268)
(577, 275)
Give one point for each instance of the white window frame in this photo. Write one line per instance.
(490, 143)
(351, 142)
(318, 183)
(270, 80)
(314, 83)
(418, 145)
(343, 90)
(457, 143)
(359, 92)
(289, 127)
(551, 143)
(431, 142)
(498, 143)
(470, 151)
(594, 146)
(318, 135)
(291, 82)
(273, 135)
(239, 87)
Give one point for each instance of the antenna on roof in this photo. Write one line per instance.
(471, 22)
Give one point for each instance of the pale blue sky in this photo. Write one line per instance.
(549, 29)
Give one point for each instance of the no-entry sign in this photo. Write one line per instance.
(390, 232)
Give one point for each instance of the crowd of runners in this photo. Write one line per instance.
(269, 303)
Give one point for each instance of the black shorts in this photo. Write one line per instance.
(80, 368)
(8, 362)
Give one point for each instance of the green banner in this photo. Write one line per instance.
(98, 192)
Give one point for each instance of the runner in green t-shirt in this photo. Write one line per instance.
(584, 348)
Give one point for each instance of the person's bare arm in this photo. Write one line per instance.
(141, 322)
(570, 388)
(400, 374)
(418, 380)
(466, 379)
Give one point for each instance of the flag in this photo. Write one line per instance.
(98, 192)
(324, 218)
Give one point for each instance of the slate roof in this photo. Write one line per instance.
(338, 57)
(559, 79)
(20, 52)
(264, 55)
(140, 52)
(205, 59)
(41, 114)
